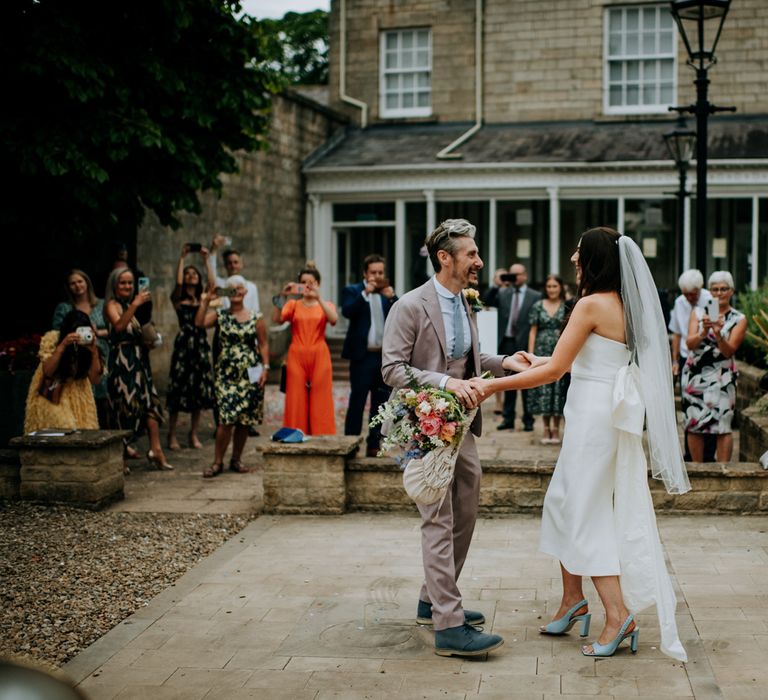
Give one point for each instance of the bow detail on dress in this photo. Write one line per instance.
(628, 408)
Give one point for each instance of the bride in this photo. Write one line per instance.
(598, 517)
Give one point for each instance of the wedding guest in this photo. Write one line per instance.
(546, 318)
(709, 376)
(61, 392)
(134, 402)
(81, 296)
(598, 517)
(366, 305)
(309, 375)
(233, 262)
(240, 372)
(191, 380)
(692, 294)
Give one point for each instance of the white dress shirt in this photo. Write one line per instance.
(681, 316)
(374, 342)
(251, 299)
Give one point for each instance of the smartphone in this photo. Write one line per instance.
(143, 283)
(383, 284)
(299, 289)
(225, 291)
(194, 247)
(712, 309)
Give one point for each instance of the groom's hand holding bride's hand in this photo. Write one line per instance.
(519, 362)
(465, 391)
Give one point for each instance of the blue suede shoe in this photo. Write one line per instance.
(564, 623)
(424, 615)
(465, 640)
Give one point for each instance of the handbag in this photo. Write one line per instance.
(151, 336)
(50, 389)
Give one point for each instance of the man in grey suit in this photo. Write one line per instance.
(431, 336)
(514, 304)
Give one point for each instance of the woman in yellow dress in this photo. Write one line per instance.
(61, 393)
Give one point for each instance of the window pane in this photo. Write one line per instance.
(391, 60)
(666, 45)
(614, 20)
(423, 99)
(614, 44)
(392, 83)
(649, 71)
(666, 94)
(422, 59)
(392, 102)
(422, 80)
(408, 81)
(633, 20)
(649, 43)
(633, 45)
(408, 99)
(633, 70)
(392, 41)
(614, 71)
(649, 94)
(649, 18)
(423, 39)
(614, 96)
(407, 40)
(665, 18)
(406, 59)
(633, 94)
(666, 71)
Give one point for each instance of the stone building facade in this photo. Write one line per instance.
(535, 119)
(262, 208)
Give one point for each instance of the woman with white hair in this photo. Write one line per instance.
(239, 372)
(709, 376)
(692, 294)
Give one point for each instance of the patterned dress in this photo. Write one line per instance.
(191, 385)
(239, 402)
(132, 394)
(709, 383)
(100, 391)
(548, 399)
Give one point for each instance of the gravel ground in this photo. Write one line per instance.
(68, 576)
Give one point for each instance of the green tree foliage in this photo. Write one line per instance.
(111, 107)
(298, 46)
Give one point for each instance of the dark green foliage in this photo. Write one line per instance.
(298, 46)
(111, 107)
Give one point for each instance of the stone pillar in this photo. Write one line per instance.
(9, 475)
(308, 477)
(84, 468)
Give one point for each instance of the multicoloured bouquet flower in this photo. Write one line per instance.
(422, 419)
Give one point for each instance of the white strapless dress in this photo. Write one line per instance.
(598, 517)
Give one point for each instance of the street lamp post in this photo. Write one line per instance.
(680, 143)
(700, 23)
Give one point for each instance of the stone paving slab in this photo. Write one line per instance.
(322, 607)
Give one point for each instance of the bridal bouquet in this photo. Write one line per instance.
(425, 429)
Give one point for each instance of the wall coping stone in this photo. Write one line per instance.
(343, 445)
(79, 439)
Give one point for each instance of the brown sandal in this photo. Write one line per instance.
(235, 465)
(213, 470)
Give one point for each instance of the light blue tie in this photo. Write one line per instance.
(458, 329)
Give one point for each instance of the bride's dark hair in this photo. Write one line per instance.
(599, 262)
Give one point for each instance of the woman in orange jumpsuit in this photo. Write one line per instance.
(311, 410)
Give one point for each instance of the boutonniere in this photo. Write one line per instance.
(473, 299)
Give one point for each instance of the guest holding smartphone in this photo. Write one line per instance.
(191, 379)
(309, 375)
(708, 382)
(133, 399)
(240, 371)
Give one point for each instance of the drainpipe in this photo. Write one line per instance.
(446, 153)
(362, 106)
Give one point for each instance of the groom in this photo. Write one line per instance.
(431, 336)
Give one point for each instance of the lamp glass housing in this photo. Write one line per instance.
(700, 23)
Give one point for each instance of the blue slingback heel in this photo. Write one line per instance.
(610, 648)
(564, 623)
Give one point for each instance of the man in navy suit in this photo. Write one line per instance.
(366, 305)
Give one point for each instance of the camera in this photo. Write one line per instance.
(194, 247)
(225, 291)
(84, 335)
(509, 277)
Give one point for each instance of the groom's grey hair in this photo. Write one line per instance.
(444, 238)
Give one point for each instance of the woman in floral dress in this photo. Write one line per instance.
(240, 373)
(546, 317)
(709, 375)
(191, 380)
(134, 402)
